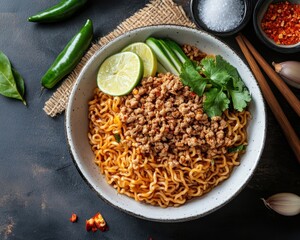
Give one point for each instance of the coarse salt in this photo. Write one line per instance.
(221, 15)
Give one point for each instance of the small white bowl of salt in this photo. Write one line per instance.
(221, 17)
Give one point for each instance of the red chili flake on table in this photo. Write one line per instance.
(96, 222)
(73, 218)
(100, 222)
(90, 224)
(281, 22)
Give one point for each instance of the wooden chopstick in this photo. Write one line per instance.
(289, 132)
(276, 79)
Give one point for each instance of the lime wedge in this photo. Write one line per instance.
(147, 56)
(120, 73)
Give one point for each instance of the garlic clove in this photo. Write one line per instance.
(289, 71)
(287, 204)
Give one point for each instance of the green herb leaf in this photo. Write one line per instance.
(191, 77)
(236, 149)
(219, 81)
(215, 102)
(11, 83)
(216, 70)
(236, 88)
(240, 99)
(117, 137)
(20, 84)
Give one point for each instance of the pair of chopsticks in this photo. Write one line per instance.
(252, 56)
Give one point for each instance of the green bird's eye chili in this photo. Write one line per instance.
(69, 57)
(58, 12)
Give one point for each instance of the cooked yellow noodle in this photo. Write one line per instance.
(146, 180)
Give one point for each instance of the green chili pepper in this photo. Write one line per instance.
(60, 11)
(69, 57)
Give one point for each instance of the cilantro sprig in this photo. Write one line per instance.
(226, 88)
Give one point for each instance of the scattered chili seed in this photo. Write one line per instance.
(73, 218)
(281, 23)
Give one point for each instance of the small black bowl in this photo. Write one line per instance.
(245, 18)
(258, 13)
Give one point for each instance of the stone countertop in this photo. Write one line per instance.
(40, 186)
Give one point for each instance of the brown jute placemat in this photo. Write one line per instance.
(154, 13)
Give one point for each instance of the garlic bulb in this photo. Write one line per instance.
(289, 71)
(287, 204)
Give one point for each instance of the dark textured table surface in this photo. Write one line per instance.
(39, 184)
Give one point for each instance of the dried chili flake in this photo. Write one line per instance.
(281, 22)
(90, 224)
(95, 223)
(73, 218)
(100, 222)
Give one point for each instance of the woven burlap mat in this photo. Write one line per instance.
(154, 13)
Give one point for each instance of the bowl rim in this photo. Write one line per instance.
(200, 24)
(165, 220)
(258, 6)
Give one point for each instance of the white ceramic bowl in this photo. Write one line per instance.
(77, 129)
